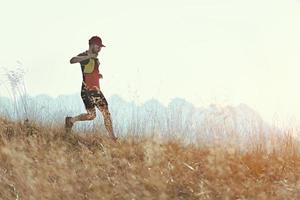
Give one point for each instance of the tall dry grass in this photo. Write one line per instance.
(13, 82)
(45, 163)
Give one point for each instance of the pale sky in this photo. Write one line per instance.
(206, 51)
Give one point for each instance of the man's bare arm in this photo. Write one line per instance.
(78, 59)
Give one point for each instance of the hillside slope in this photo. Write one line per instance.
(41, 163)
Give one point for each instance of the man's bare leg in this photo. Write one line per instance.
(107, 121)
(90, 115)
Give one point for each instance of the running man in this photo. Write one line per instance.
(90, 90)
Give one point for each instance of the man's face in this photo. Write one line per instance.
(96, 48)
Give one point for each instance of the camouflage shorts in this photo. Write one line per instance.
(92, 98)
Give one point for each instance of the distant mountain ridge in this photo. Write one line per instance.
(179, 117)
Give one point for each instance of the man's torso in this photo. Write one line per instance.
(90, 73)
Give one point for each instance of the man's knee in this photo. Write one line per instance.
(91, 114)
(90, 117)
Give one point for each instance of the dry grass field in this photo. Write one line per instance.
(45, 163)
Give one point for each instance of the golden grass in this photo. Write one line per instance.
(45, 163)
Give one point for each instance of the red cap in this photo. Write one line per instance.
(96, 40)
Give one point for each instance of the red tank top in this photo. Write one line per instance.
(90, 73)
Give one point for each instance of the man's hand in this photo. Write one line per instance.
(100, 76)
